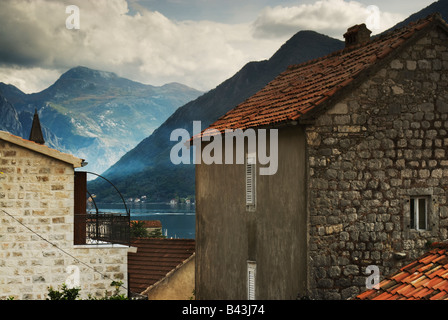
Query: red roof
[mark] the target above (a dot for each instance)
(154, 259)
(303, 87)
(423, 279)
(150, 223)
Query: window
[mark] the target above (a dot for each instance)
(250, 179)
(419, 213)
(251, 276)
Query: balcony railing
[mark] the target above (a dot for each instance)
(92, 226)
(108, 228)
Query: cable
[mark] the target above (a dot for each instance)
(60, 249)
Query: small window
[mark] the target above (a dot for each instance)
(419, 213)
(251, 276)
(250, 179)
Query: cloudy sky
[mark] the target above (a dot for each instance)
(199, 43)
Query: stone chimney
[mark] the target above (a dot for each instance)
(358, 34)
(36, 130)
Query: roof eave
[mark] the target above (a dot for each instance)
(42, 149)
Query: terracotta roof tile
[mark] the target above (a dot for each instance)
(149, 223)
(307, 86)
(425, 278)
(154, 259)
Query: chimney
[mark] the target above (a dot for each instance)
(36, 130)
(358, 34)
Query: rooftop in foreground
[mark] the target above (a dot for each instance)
(423, 279)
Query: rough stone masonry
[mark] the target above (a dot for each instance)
(383, 143)
(36, 245)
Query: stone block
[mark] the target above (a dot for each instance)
(396, 64)
(339, 108)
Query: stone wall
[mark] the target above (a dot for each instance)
(378, 146)
(36, 232)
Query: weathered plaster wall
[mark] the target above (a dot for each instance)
(177, 285)
(273, 234)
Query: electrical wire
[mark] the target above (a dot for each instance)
(56, 246)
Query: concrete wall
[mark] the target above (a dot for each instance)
(367, 155)
(179, 284)
(37, 190)
(273, 234)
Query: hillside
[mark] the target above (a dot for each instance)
(97, 115)
(147, 169)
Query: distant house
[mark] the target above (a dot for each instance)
(361, 179)
(163, 269)
(44, 234)
(151, 225)
(425, 278)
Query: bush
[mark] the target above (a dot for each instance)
(64, 293)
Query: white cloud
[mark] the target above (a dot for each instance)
(36, 46)
(146, 47)
(330, 17)
(29, 80)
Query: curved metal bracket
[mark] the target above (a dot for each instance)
(128, 212)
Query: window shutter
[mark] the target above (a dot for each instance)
(419, 213)
(251, 273)
(80, 187)
(250, 180)
(422, 213)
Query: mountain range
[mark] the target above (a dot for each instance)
(92, 114)
(125, 127)
(147, 170)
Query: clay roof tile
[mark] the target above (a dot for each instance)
(424, 278)
(306, 87)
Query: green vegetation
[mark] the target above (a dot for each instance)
(64, 293)
(158, 184)
(138, 230)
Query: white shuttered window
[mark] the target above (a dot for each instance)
(251, 276)
(250, 179)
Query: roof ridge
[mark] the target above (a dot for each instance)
(436, 16)
(41, 148)
(305, 89)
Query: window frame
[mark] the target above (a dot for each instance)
(433, 219)
(415, 214)
(251, 280)
(250, 181)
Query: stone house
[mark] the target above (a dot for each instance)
(40, 246)
(361, 139)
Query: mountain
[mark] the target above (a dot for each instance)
(147, 169)
(9, 120)
(97, 115)
(440, 6)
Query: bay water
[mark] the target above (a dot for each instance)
(178, 220)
